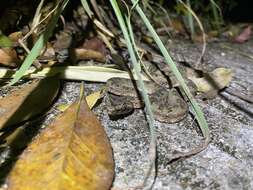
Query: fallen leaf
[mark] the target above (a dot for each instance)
(15, 37)
(8, 57)
(87, 54)
(212, 82)
(95, 44)
(222, 77)
(91, 101)
(244, 35)
(93, 48)
(72, 153)
(28, 101)
(5, 41)
(93, 98)
(63, 107)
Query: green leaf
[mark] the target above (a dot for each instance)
(5, 41)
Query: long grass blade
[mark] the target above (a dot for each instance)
(140, 85)
(148, 107)
(197, 110)
(40, 43)
(217, 14)
(87, 8)
(200, 26)
(190, 19)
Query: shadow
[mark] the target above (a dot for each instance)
(17, 146)
(31, 108)
(25, 134)
(6, 77)
(46, 88)
(238, 106)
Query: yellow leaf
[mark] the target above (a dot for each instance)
(213, 81)
(91, 101)
(63, 107)
(222, 77)
(73, 153)
(93, 98)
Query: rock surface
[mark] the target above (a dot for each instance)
(227, 163)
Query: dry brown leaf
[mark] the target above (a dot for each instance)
(93, 48)
(86, 54)
(73, 153)
(214, 81)
(28, 101)
(93, 98)
(95, 44)
(8, 57)
(15, 36)
(244, 35)
(178, 26)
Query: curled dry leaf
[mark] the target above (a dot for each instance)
(86, 54)
(244, 35)
(72, 153)
(91, 49)
(214, 81)
(8, 57)
(28, 101)
(15, 37)
(95, 44)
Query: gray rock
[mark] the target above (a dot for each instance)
(226, 164)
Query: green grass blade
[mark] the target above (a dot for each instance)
(140, 85)
(199, 114)
(87, 8)
(190, 19)
(40, 43)
(148, 108)
(217, 14)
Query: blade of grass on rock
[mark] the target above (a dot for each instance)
(141, 87)
(197, 110)
(71, 153)
(148, 107)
